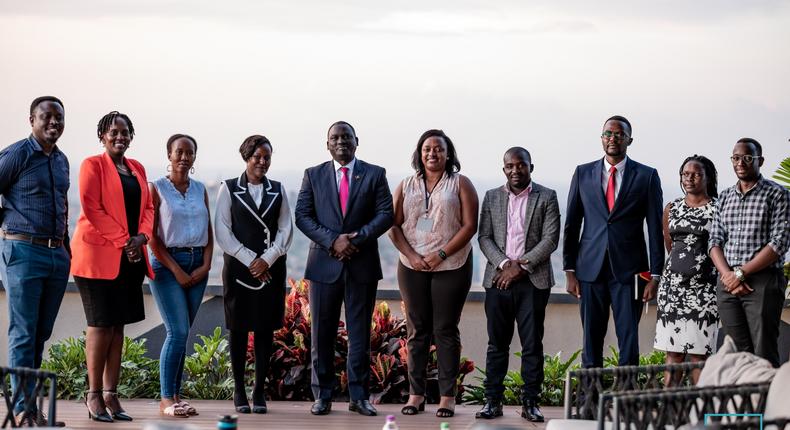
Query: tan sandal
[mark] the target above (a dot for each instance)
(189, 408)
(174, 411)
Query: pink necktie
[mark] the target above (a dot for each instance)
(610, 188)
(343, 189)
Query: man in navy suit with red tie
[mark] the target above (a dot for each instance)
(612, 198)
(344, 206)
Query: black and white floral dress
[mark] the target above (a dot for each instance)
(688, 316)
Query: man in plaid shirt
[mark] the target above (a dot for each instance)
(749, 238)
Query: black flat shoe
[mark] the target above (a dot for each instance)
(241, 404)
(413, 410)
(362, 407)
(321, 407)
(259, 407)
(531, 412)
(491, 410)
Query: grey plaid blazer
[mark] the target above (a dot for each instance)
(543, 233)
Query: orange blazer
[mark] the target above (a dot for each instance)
(102, 231)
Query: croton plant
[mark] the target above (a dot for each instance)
(290, 367)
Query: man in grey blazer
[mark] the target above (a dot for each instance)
(519, 229)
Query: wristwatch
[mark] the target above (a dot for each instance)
(739, 273)
(442, 254)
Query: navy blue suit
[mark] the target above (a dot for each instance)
(333, 282)
(611, 250)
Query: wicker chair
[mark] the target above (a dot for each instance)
(590, 393)
(675, 407)
(45, 387)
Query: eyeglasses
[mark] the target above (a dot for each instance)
(691, 175)
(747, 159)
(617, 136)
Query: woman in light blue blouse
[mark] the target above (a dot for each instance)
(182, 245)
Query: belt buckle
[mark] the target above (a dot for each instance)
(49, 244)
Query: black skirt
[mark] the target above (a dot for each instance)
(114, 302)
(252, 310)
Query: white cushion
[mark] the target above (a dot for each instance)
(777, 404)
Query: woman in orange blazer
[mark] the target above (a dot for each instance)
(109, 260)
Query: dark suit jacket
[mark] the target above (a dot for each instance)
(620, 232)
(542, 225)
(318, 216)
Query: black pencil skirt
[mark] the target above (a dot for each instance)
(114, 302)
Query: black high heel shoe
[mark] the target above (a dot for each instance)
(240, 403)
(118, 414)
(100, 414)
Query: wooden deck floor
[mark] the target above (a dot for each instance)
(296, 415)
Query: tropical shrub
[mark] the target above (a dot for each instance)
(554, 370)
(139, 374)
(290, 367)
(207, 371)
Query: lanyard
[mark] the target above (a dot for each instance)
(429, 194)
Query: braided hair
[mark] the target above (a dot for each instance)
(108, 120)
(711, 176)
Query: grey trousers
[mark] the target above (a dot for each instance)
(753, 320)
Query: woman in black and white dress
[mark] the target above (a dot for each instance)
(254, 229)
(688, 316)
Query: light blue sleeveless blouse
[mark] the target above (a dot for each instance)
(183, 218)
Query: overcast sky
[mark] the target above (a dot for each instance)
(692, 77)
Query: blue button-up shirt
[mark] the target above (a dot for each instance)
(33, 190)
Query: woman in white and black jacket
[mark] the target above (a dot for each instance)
(254, 229)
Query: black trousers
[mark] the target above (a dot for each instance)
(526, 305)
(325, 303)
(596, 299)
(753, 320)
(434, 301)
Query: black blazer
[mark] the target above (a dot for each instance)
(318, 216)
(621, 232)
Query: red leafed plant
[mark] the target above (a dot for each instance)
(290, 365)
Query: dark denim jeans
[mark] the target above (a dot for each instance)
(178, 307)
(35, 279)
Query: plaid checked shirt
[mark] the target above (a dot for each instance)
(747, 222)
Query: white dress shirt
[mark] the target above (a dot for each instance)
(618, 176)
(339, 174)
(233, 247)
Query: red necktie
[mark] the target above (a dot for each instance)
(610, 188)
(343, 189)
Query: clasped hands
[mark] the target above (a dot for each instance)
(733, 285)
(510, 272)
(425, 263)
(342, 248)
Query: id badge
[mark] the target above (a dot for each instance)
(425, 225)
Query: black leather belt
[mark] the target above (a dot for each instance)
(49, 243)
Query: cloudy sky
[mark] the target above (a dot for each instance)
(692, 77)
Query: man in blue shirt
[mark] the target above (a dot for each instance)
(34, 181)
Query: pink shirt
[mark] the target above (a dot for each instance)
(516, 230)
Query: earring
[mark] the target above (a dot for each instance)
(192, 170)
(168, 168)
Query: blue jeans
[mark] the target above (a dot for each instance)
(178, 307)
(35, 279)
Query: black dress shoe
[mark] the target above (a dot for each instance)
(531, 411)
(321, 407)
(362, 407)
(491, 410)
